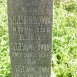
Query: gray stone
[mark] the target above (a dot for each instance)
(30, 31)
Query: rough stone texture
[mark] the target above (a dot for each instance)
(30, 31)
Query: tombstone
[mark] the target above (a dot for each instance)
(30, 32)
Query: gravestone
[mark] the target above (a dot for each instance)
(30, 31)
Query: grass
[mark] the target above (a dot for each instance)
(4, 48)
(64, 60)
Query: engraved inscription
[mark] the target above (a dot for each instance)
(40, 28)
(30, 37)
(17, 19)
(32, 69)
(23, 46)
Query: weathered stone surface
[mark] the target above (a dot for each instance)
(30, 30)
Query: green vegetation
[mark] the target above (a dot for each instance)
(64, 54)
(4, 51)
(64, 60)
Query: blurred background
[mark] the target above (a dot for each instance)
(64, 50)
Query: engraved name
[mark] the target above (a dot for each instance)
(23, 46)
(32, 69)
(39, 19)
